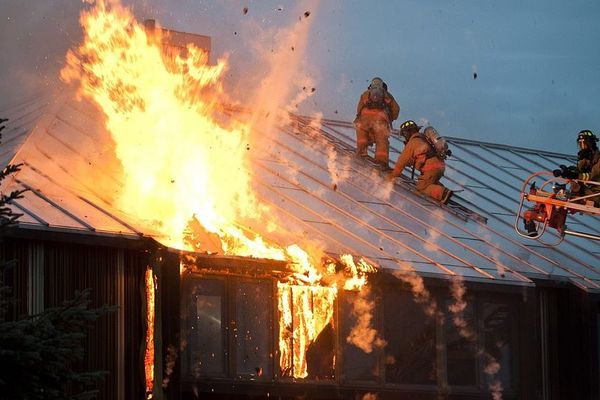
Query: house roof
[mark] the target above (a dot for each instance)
(318, 189)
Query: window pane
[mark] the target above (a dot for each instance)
(497, 325)
(410, 353)
(253, 329)
(461, 349)
(357, 365)
(207, 344)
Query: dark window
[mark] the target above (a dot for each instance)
(357, 364)
(253, 332)
(461, 347)
(206, 325)
(410, 354)
(497, 328)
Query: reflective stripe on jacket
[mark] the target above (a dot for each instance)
(590, 168)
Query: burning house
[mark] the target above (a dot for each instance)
(264, 260)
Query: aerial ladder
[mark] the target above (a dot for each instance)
(549, 205)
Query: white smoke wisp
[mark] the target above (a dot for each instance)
(338, 173)
(306, 88)
(285, 69)
(494, 252)
(496, 390)
(382, 186)
(316, 121)
(457, 308)
(362, 334)
(420, 294)
(431, 240)
(170, 361)
(492, 367)
(370, 396)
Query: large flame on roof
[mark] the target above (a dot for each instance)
(179, 162)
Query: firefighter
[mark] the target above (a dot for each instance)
(375, 112)
(420, 154)
(587, 168)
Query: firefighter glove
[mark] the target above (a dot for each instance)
(566, 172)
(585, 154)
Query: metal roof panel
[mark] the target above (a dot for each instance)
(319, 191)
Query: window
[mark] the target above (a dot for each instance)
(497, 331)
(410, 355)
(229, 327)
(461, 348)
(473, 350)
(206, 323)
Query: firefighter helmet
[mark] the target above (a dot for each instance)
(377, 81)
(586, 136)
(409, 126)
(408, 129)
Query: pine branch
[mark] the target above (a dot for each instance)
(10, 169)
(7, 215)
(38, 353)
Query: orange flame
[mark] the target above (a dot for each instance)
(179, 163)
(149, 354)
(304, 312)
(174, 155)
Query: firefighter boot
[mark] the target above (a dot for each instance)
(446, 196)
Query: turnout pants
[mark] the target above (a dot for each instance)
(429, 183)
(373, 129)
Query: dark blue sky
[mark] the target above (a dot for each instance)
(536, 60)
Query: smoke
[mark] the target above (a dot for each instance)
(337, 174)
(496, 390)
(494, 252)
(382, 187)
(284, 82)
(457, 308)
(370, 396)
(363, 335)
(421, 295)
(431, 241)
(457, 291)
(169, 365)
(34, 37)
(491, 369)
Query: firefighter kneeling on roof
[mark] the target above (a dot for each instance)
(375, 112)
(419, 153)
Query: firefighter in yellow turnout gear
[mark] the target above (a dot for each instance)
(375, 112)
(420, 154)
